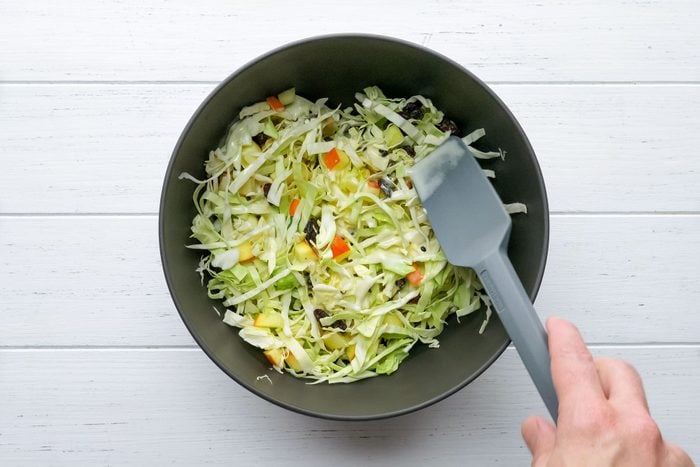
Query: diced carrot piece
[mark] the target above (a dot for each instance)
(416, 276)
(373, 184)
(331, 159)
(275, 103)
(340, 248)
(293, 207)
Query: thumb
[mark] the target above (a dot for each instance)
(539, 435)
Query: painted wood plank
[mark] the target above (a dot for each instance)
(499, 40)
(96, 280)
(104, 148)
(161, 407)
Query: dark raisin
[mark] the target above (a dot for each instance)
(412, 110)
(448, 125)
(423, 249)
(266, 188)
(385, 186)
(260, 139)
(400, 283)
(319, 313)
(414, 300)
(383, 153)
(340, 324)
(311, 230)
(409, 150)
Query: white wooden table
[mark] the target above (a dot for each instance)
(96, 367)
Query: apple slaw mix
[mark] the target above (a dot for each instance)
(316, 241)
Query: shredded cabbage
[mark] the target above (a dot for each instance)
(315, 239)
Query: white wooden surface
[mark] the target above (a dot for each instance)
(97, 369)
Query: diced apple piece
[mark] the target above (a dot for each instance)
(274, 356)
(350, 351)
(293, 363)
(304, 252)
(245, 252)
(328, 127)
(268, 319)
(335, 341)
(393, 136)
(287, 97)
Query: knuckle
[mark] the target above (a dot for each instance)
(644, 430)
(619, 365)
(629, 369)
(677, 456)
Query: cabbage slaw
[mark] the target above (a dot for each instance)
(316, 241)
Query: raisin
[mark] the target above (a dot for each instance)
(448, 125)
(385, 186)
(266, 188)
(340, 324)
(423, 249)
(400, 283)
(319, 313)
(260, 139)
(412, 110)
(311, 230)
(409, 150)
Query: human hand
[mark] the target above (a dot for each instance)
(603, 419)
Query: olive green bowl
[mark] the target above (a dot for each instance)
(336, 67)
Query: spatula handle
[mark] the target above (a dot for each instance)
(520, 320)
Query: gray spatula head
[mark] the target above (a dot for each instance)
(466, 213)
(473, 229)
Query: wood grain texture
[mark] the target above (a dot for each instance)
(162, 407)
(97, 280)
(598, 151)
(499, 40)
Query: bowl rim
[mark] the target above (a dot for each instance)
(168, 174)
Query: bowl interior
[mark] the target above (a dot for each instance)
(337, 67)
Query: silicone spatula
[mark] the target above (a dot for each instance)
(473, 229)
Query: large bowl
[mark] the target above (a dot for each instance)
(337, 67)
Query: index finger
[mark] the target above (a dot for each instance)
(574, 373)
